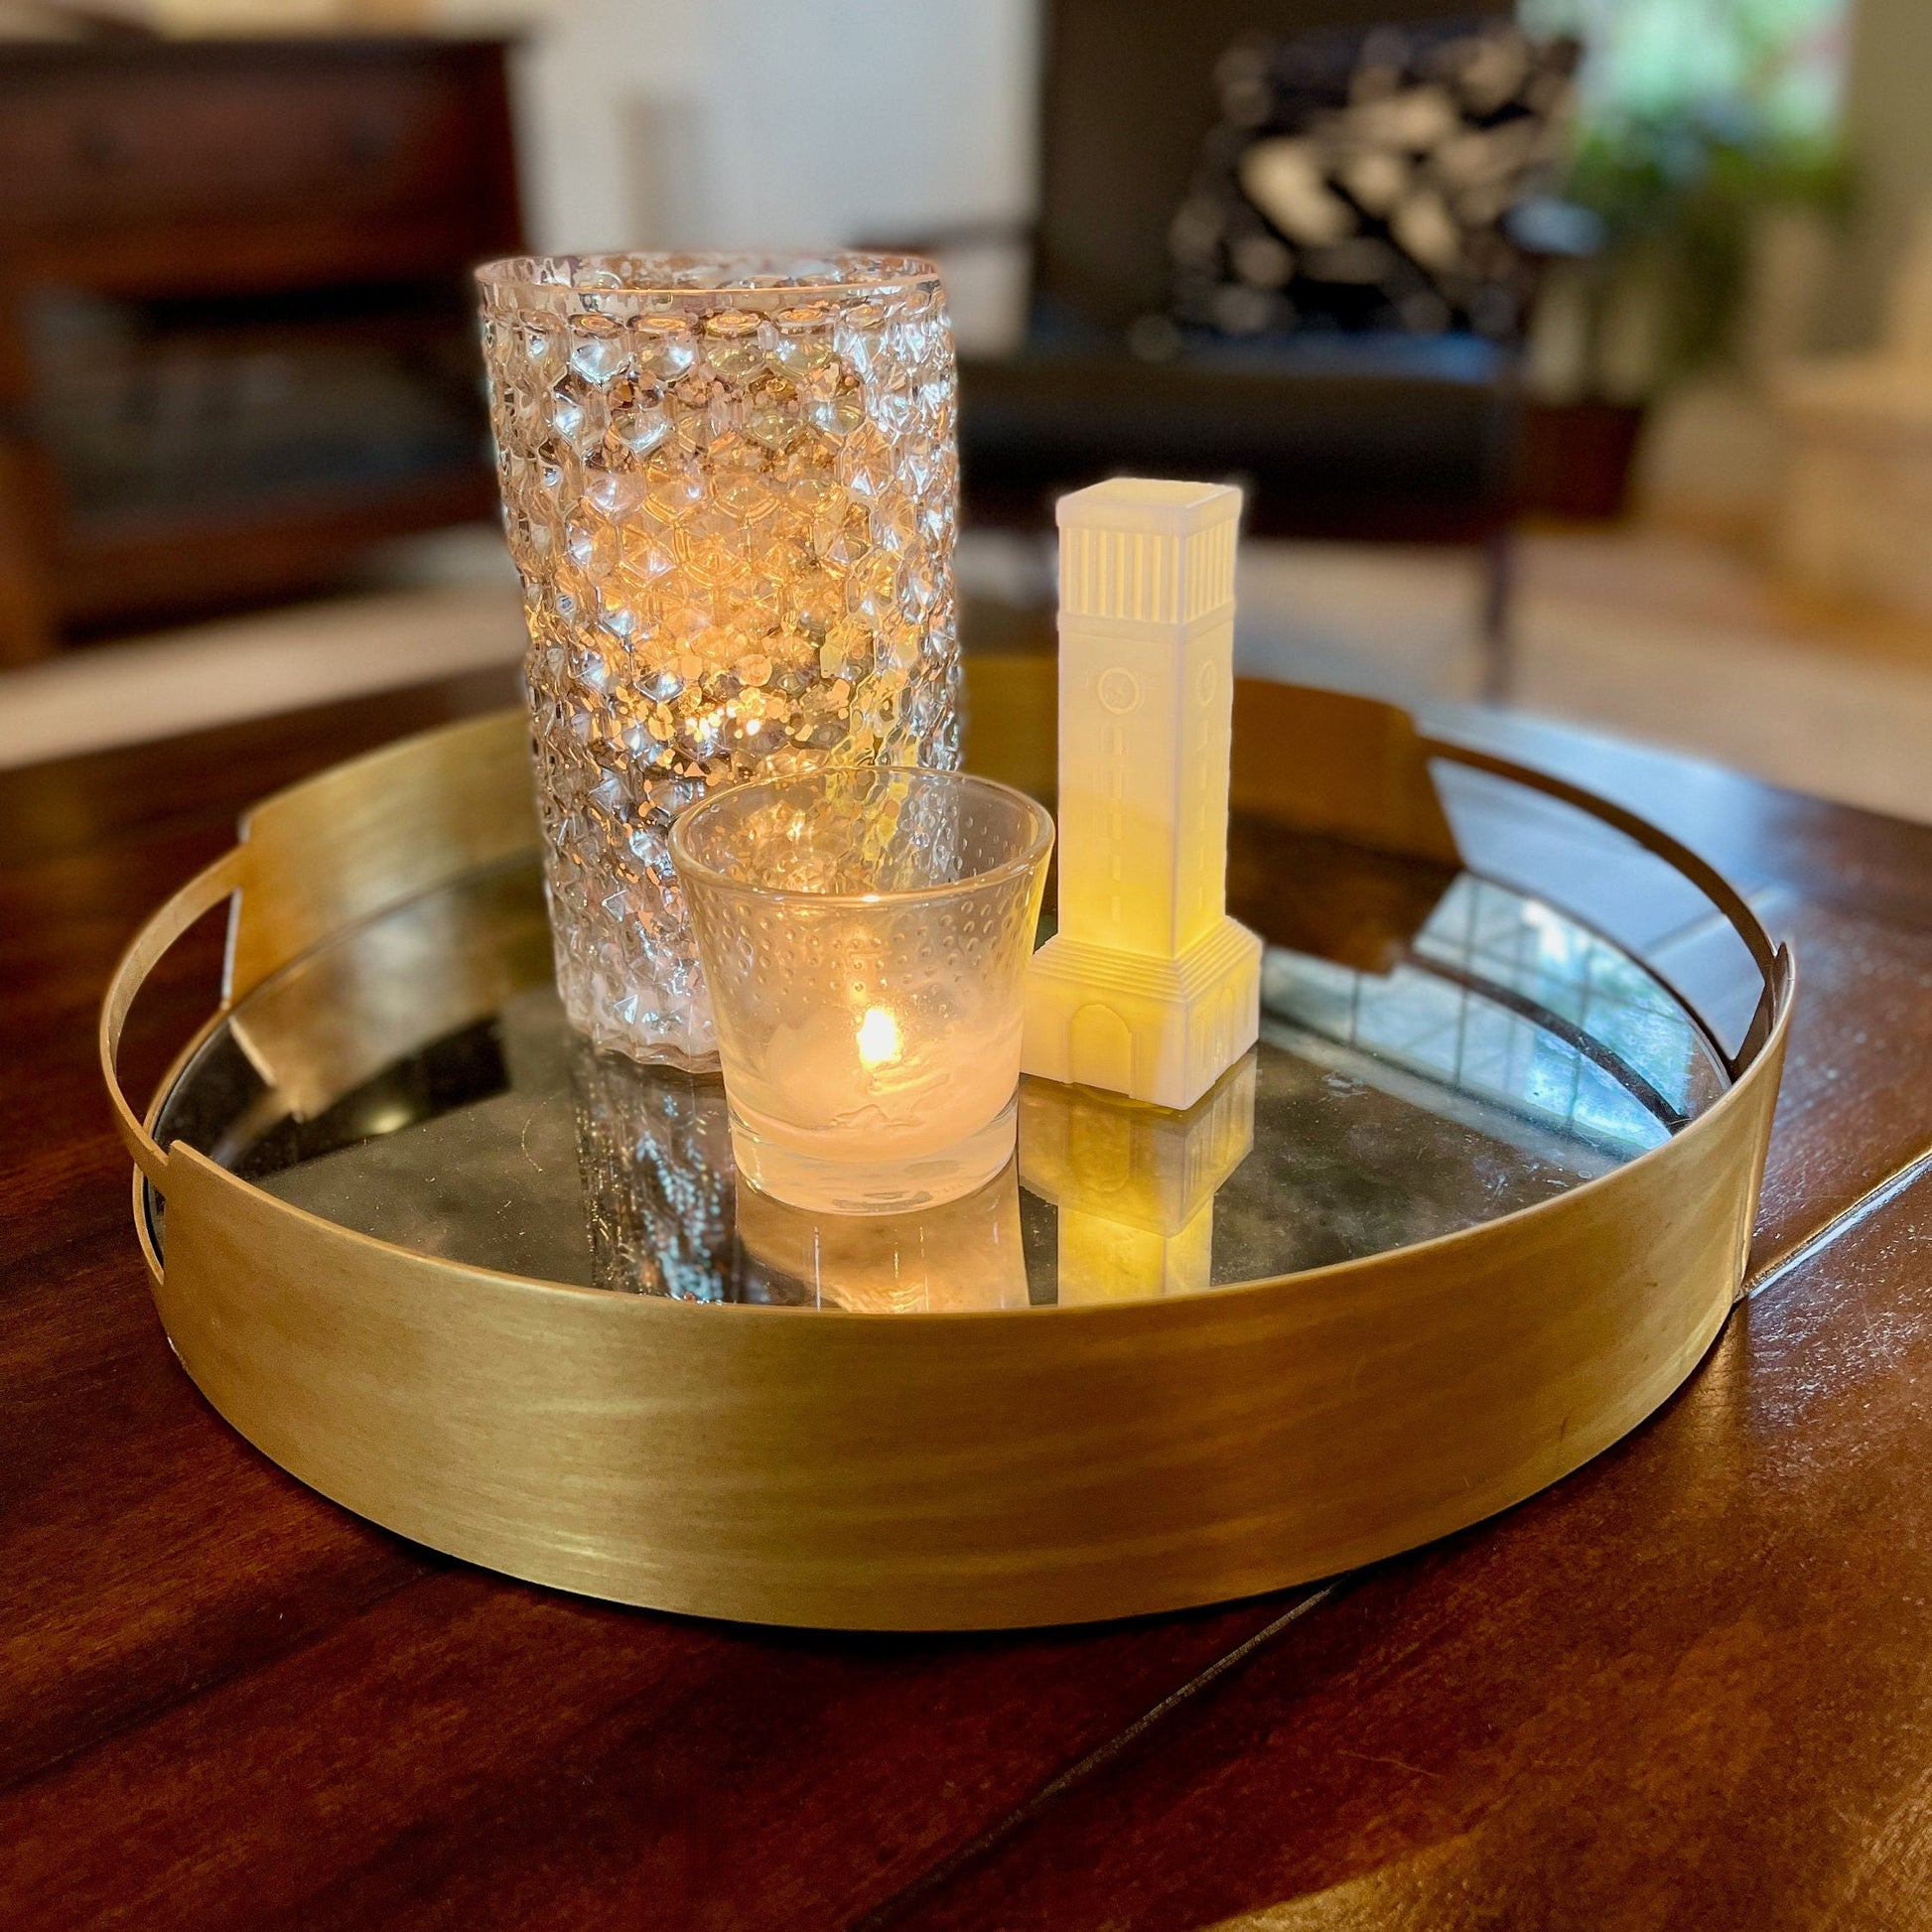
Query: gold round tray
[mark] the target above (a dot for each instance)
(1161, 1434)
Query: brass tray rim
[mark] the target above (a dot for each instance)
(1780, 988)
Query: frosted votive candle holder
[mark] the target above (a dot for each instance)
(865, 934)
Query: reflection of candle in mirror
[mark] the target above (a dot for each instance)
(961, 1255)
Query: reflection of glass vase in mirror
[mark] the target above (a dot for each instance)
(654, 1146)
(961, 1255)
(1134, 1185)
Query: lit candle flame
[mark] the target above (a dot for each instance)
(878, 1038)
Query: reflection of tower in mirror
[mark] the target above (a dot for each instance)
(654, 1145)
(1134, 1185)
(960, 1255)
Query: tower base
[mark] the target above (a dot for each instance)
(1162, 1030)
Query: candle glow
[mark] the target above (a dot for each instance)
(879, 1041)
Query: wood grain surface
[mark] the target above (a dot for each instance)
(1691, 1686)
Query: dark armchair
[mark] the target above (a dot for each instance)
(1378, 436)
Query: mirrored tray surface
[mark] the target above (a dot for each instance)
(413, 1078)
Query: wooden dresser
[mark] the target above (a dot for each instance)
(236, 329)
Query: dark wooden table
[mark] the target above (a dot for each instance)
(1690, 1686)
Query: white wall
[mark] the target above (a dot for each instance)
(1889, 132)
(771, 123)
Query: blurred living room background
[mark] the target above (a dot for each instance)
(1577, 354)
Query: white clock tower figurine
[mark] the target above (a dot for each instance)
(1148, 989)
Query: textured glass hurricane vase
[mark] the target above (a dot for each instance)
(731, 490)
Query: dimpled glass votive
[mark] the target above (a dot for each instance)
(866, 936)
(729, 487)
